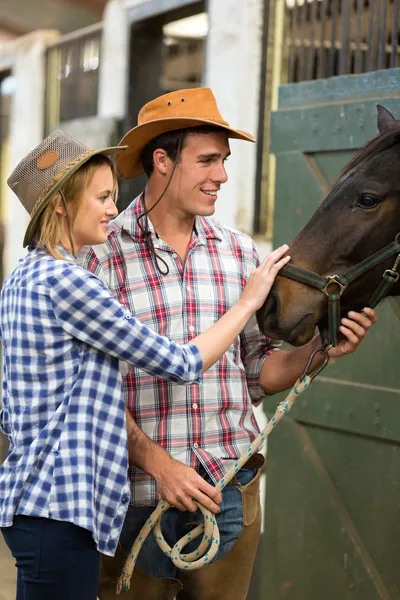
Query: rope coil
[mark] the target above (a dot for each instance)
(209, 544)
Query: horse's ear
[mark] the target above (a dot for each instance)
(385, 119)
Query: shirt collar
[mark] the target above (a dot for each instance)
(127, 220)
(41, 250)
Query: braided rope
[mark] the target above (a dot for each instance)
(57, 177)
(208, 547)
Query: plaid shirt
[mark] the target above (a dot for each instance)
(212, 423)
(63, 409)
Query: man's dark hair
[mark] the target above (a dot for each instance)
(170, 143)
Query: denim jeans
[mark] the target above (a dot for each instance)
(56, 560)
(175, 524)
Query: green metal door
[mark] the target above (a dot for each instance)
(332, 528)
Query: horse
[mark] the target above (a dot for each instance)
(347, 250)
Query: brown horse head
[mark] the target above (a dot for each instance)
(359, 217)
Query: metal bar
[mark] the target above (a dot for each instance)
(395, 21)
(79, 76)
(383, 35)
(358, 58)
(332, 47)
(368, 38)
(79, 33)
(345, 37)
(372, 35)
(293, 48)
(302, 47)
(310, 68)
(321, 73)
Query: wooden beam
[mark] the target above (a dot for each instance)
(92, 6)
(12, 29)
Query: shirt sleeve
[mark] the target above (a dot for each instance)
(255, 348)
(88, 311)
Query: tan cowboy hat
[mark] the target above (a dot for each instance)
(45, 169)
(176, 110)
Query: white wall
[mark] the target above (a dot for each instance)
(232, 71)
(25, 58)
(114, 65)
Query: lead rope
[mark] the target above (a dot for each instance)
(209, 545)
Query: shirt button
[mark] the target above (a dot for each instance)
(174, 255)
(189, 289)
(195, 406)
(195, 445)
(125, 499)
(191, 327)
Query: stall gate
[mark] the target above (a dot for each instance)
(332, 529)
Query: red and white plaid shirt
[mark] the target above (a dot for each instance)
(207, 424)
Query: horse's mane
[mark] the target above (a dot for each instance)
(381, 142)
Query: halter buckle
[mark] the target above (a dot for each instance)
(333, 280)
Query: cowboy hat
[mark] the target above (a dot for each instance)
(176, 110)
(44, 171)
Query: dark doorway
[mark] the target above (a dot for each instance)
(166, 53)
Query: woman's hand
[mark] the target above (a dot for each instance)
(261, 280)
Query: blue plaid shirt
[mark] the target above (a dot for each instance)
(63, 334)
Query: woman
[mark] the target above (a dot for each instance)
(63, 487)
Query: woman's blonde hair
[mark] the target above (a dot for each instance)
(49, 232)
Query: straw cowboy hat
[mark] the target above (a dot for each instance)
(44, 171)
(177, 110)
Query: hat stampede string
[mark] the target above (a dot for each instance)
(145, 229)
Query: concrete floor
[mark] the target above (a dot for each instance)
(7, 573)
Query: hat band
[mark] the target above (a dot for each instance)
(214, 119)
(60, 175)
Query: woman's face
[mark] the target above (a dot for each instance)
(96, 209)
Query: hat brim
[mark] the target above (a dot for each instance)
(129, 164)
(44, 201)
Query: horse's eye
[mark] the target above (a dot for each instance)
(367, 201)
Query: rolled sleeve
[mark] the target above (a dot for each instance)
(3, 414)
(255, 349)
(88, 311)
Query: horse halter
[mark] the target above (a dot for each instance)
(333, 286)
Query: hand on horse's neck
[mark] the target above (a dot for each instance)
(172, 226)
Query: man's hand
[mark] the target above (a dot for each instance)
(176, 482)
(282, 369)
(180, 485)
(354, 329)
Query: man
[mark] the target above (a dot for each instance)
(179, 271)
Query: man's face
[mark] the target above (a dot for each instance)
(199, 174)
